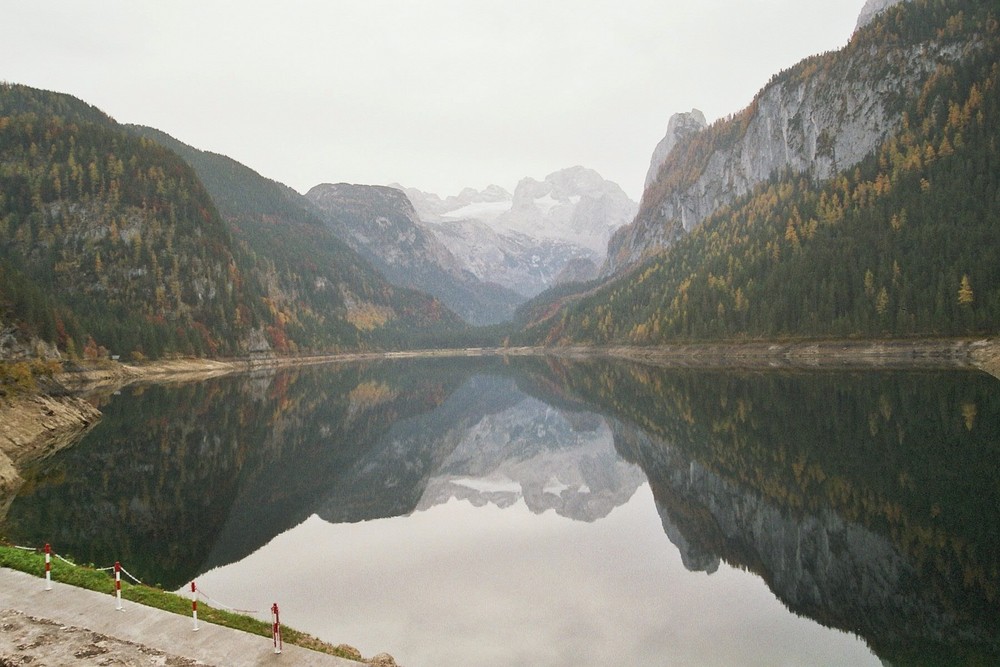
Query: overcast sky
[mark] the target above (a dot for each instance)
(433, 94)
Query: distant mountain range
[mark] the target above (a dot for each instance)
(381, 225)
(525, 241)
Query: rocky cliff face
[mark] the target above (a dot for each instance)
(524, 240)
(822, 116)
(871, 9)
(381, 224)
(680, 127)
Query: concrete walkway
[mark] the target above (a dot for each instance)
(155, 628)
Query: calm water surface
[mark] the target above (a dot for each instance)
(551, 513)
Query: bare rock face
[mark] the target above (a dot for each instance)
(37, 427)
(680, 126)
(871, 9)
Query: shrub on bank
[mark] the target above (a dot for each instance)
(22, 377)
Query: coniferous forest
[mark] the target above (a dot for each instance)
(110, 240)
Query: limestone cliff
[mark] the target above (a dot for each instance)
(680, 126)
(871, 9)
(818, 118)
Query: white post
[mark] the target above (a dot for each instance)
(118, 586)
(194, 605)
(276, 628)
(48, 567)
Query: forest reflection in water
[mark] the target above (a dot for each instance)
(866, 501)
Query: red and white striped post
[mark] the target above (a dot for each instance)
(276, 628)
(118, 586)
(194, 605)
(48, 567)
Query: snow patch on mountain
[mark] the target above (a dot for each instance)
(523, 241)
(485, 211)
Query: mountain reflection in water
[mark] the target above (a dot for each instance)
(867, 501)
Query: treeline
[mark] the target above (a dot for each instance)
(907, 243)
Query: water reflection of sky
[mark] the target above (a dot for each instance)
(463, 585)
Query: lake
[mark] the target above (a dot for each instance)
(541, 511)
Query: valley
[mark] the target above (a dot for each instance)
(543, 422)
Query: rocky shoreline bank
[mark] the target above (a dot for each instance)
(35, 427)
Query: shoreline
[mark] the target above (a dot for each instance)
(36, 426)
(982, 354)
(979, 354)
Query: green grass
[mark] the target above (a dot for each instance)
(33, 562)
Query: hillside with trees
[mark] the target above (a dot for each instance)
(111, 244)
(327, 296)
(907, 243)
(110, 241)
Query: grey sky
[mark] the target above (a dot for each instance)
(438, 94)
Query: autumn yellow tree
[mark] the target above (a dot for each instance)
(965, 295)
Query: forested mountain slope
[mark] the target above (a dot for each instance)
(381, 225)
(110, 243)
(818, 118)
(109, 240)
(327, 295)
(906, 242)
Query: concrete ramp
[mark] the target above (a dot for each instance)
(170, 633)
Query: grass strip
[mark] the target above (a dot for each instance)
(33, 562)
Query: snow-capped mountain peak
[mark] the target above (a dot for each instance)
(524, 240)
